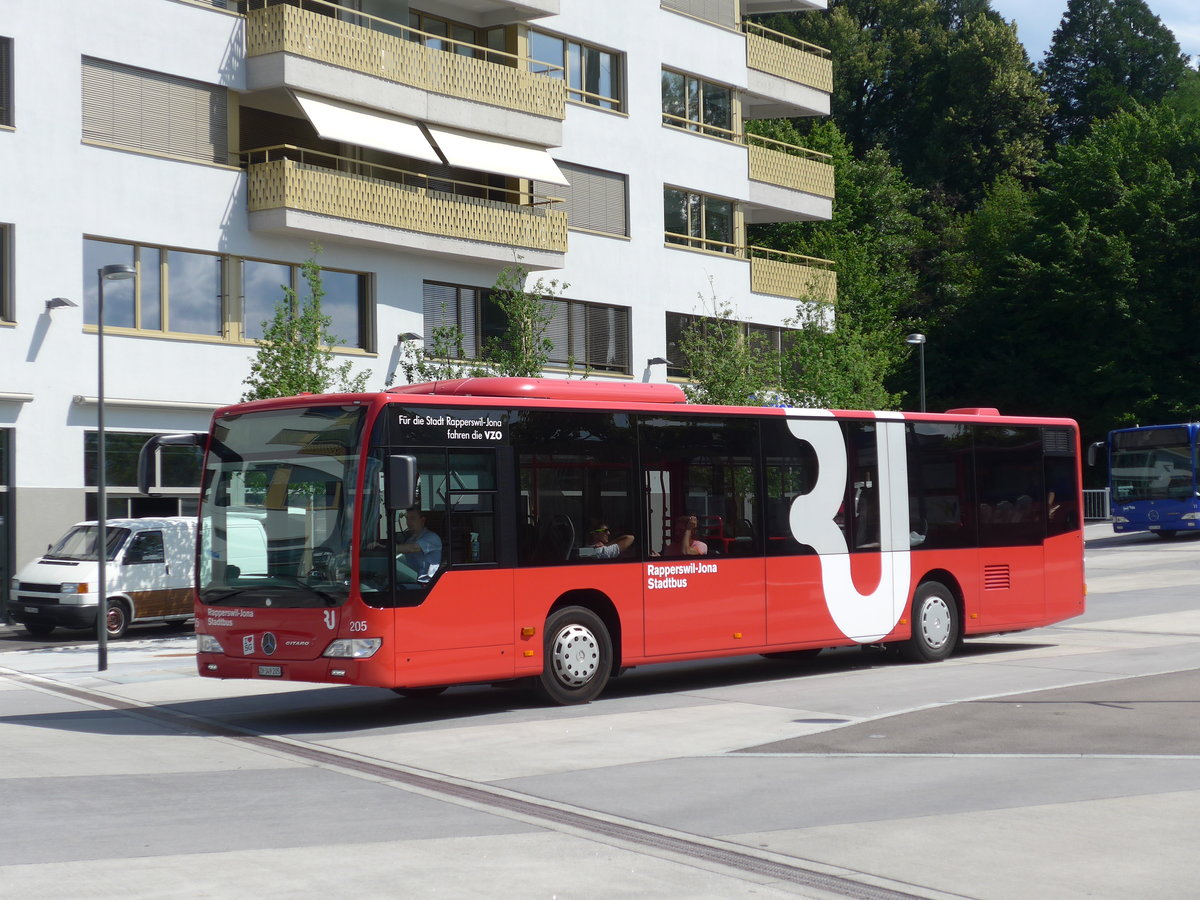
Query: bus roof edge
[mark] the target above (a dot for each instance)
(550, 389)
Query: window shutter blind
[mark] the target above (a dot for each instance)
(6, 81)
(595, 199)
(150, 111)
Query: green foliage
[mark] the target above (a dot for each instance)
(1108, 55)
(726, 366)
(294, 354)
(522, 351)
(943, 85)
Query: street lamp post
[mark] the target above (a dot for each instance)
(116, 272)
(919, 340)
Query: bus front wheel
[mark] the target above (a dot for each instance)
(577, 656)
(934, 624)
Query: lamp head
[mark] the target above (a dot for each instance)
(407, 336)
(658, 361)
(915, 339)
(117, 272)
(59, 303)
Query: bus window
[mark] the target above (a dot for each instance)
(791, 471)
(941, 482)
(701, 469)
(1011, 486)
(575, 473)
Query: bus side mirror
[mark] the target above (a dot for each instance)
(148, 456)
(1093, 451)
(400, 482)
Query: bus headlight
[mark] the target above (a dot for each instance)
(354, 648)
(1190, 517)
(208, 643)
(1121, 519)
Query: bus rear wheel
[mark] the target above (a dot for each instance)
(577, 655)
(935, 626)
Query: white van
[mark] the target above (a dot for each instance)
(149, 575)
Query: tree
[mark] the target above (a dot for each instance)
(1105, 56)
(943, 85)
(522, 350)
(726, 365)
(294, 354)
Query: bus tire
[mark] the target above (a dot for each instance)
(1165, 535)
(935, 626)
(416, 693)
(117, 620)
(577, 653)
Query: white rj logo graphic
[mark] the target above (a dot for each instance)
(330, 619)
(862, 617)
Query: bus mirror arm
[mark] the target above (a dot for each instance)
(1094, 451)
(148, 455)
(400, 486)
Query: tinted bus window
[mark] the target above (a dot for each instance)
(941, 481)
(1011, 485)
(575, 474)
(700, 480)
(790, 470)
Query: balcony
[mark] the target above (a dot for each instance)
(787, 183)
(318, 47)
(786, 177)
(785, 74)
(300, 191)
(774, 272)
(792, 275)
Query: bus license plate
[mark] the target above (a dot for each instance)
(270, 671)
(32, 609)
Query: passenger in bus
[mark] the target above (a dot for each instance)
(604, 546)
(418, 550)
(683, 538)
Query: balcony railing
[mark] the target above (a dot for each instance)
(327, 33)
(774, 272)
(787, 57)
(287, 177)
(771, 161)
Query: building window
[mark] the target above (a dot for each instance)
(6, 82)
(155, 113)
(697, 105)
(768, 338)
(698, 220)
(595, 200)
(438, 33)
(6, 567)
(592, 335)
(593, 75)
(178, 473)
(6, 311)
(188, 292)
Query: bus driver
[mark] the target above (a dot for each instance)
(418, 550)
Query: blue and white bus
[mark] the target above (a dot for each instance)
(1152, 473)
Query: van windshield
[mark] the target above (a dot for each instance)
(81, 541)
(278, 507)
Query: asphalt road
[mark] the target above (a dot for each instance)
(1063, 762)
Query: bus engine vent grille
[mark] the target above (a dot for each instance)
(997, 578)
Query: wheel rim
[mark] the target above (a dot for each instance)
(935, 622)
(575, 655)
(115, 619)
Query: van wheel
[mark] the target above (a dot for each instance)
(117, 620)
(39, 629)
(577, 657)
(935, 628)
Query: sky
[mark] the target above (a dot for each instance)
(1037, 20)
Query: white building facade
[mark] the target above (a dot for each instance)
(210, 144)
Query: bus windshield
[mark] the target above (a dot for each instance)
(1152, 464)
(278, 507)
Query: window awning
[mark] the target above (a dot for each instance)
(336, 121)
(473, 151)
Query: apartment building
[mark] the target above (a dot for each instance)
(202, 147)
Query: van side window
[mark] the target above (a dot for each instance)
(146, 547)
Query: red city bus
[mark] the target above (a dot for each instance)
(489, 529)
